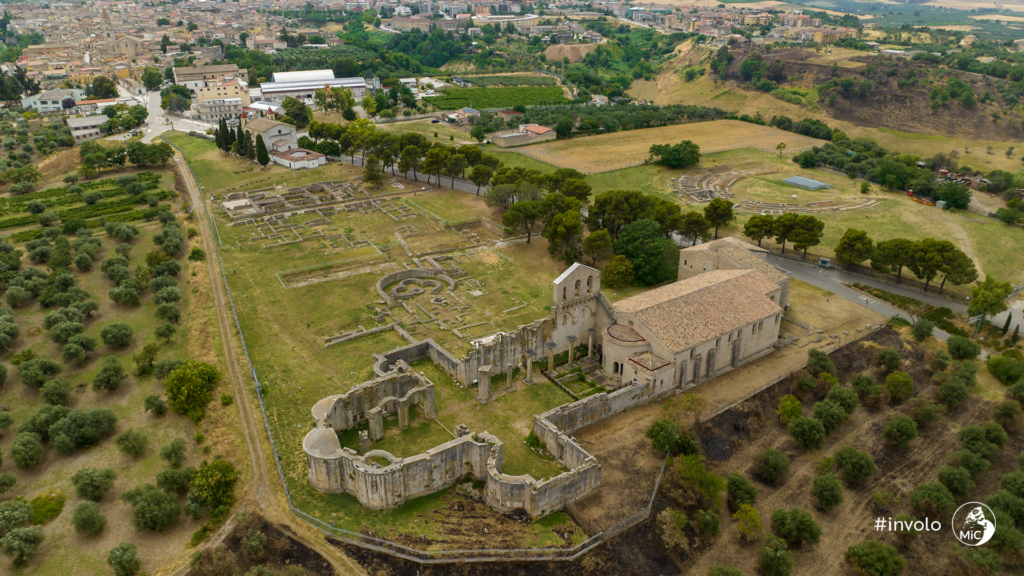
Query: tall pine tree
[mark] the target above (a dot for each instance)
(250, 148)
(261, 151)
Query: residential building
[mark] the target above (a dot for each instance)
(195, 77)
(86, 128)
(52, 100)
(212, 110)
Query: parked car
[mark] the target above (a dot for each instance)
(435, 121)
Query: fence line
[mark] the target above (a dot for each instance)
(385, 546)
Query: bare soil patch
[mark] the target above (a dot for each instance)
(574, 52)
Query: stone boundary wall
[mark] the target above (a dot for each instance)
(410, 273)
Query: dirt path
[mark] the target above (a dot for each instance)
(260, 493)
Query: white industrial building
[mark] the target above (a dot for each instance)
(302, 85)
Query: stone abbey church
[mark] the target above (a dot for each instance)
(724, 311)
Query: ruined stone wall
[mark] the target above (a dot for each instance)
(410, 273)
(413, 352)
(395, 390)
(479, 457)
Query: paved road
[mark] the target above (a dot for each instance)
(1016, 307)
(833, 281)
(157, 124)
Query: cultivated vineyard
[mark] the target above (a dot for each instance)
(511, 80)
(455, 98)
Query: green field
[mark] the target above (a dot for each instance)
(455, 98)
(217, 171)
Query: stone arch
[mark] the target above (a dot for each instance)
(565, 293)
(577, 287)
(590, 284)
(615, 368)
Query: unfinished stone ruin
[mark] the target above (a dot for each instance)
(644, 345)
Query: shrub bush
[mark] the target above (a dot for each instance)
(789, 408)
(56, 392)
(969, 461)
(155, 405)
(957, 480)
(87, 519)
(808, 432)
(110, 376)
(889, 359)
(748, 522)
(827, 489)
(844, 397)
(818, 362)
(773, 465)
(21, 543)
(92, 483)
(932, 500)
(117, 335)
(830, 414)
(124, 559)
(706, 523)
(174, 453)
(854, 465)
(941, 360)
(961, 348)
(151, 508)
(132, 443)
(900, 430)
(952, 392)
(900, 385)
(796, 527)
(875, 558)
(740, 490)
(27, 450)
(923, 329)
(775, 559)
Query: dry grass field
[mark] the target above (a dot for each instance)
(624, 149)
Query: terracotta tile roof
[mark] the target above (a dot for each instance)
(649, 362)
(291, 154)
(745, 259)
(263, 124)
(741, 255)
(537, 129)
(624, 333)
(688, 312)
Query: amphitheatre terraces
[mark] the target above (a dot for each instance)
(704, 187)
